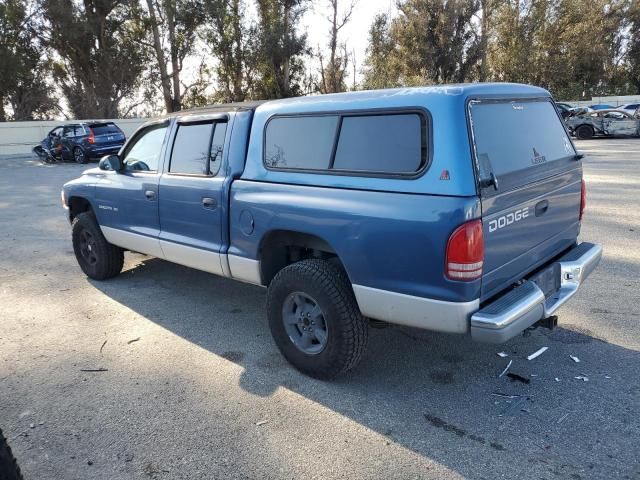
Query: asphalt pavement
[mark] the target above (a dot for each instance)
(191, 386)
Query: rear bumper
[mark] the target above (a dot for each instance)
(99, 151)
(525, 305)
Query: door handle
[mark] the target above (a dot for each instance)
(150, 194)
(542, 207)
(209, 203)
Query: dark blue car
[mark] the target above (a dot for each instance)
(81, 142)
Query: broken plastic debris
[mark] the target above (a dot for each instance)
(516, 377)
(507, 368)
(502, 354)
(557, 379)
(537, 353)
(581, 377)
(607, 376)
(261, 422)
(562, 417)
(575, 359)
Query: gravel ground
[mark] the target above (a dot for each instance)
(195, 388)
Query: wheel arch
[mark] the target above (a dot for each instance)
(78, 204)
(281, 247)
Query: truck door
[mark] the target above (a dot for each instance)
(191, 194)
(127, 201)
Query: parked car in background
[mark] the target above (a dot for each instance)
(81, 142)
(565, 109)
(601, 106)
(612, 122)
(629, 107)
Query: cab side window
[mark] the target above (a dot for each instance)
(143, 153)
(197, 149)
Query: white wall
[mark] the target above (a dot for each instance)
(615, 101)
(21, 137)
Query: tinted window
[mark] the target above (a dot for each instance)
(380, 143)
(300, 142)
(104, 129)
(217, 144)
(143, 154)
(513, 136)
(191, 149)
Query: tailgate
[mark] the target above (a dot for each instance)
(530, 187)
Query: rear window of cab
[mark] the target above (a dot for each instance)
(380, 143)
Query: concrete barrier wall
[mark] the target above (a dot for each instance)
(614, 101)
(21, 137)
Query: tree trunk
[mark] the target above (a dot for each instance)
(333, 45)
(484, 40)
(162, 64)
(286, 64)
(175, 65)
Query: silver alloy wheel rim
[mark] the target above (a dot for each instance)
(304, 322)
(79, 155)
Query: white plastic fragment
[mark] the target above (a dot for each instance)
(502, 354)
(506, 369)
(537, 353)
(575, 359)
(607, 376)
(533, 375)
(583, 378)
(261, 422)
(557, 379)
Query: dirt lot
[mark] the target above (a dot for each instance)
(195, 387)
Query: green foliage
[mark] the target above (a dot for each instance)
(574, 48)
(23, 73)
(100, 59)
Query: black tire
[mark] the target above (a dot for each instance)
(346, 328)
(97, 258)
(79, 156)
(584, 132)
(9, 469)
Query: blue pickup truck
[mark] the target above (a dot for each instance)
(453, 208)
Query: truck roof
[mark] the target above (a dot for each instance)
(340, 101)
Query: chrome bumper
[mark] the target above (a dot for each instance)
(525, 305)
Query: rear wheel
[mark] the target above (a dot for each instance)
(584, 132)
(97, 258)
(315, 320)
(79, 156)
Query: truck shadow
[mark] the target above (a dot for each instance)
(437, 395)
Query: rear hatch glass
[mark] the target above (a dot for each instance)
(531, 211)
(107, 133)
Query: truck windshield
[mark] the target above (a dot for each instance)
(517, 140)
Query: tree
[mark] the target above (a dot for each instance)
(380, 70)
(435, 40)
(101, 61)
(174, 26)
(279, 65)
(23, 74)
(633, 49)
(233, 46)
(333, 74)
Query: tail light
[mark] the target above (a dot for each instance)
(465, 252)
(92, 137)
(583, 198)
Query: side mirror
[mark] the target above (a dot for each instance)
(110, 163)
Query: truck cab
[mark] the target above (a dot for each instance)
(453, 208)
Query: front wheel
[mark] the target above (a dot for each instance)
(315, 320)
(97, 258)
